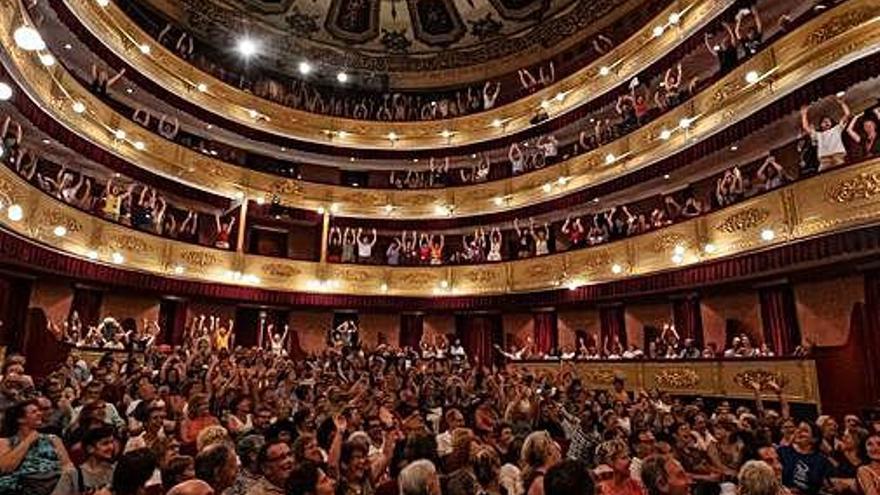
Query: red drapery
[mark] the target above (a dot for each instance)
(779, 317)
(172, 320)
(412, 326)
(42, 348)
(478, 333)
(872, 332)
(87, 304)
(546, 331)
(612, 323)
(688, 318)
(15, 293)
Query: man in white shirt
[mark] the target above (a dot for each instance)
(828, 137)
(454, 419)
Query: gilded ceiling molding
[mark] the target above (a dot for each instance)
(124, 37)
(670, 248)
(847, 33)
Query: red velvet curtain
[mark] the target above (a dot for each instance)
(42, 348)
(546, 331)
(779, 316)
(688, 318)
(412, 327)
(87, 303)
(612, 324)
(172, 321)
(478, 333)
(872, 332)
(15, 294)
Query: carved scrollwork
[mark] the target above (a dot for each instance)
(419, 279)
(199, 258)
(860, 187)
(841, 24)
(677, 378)
(743, 220)
(286, 187)
(280, 270)
(748, 379)
(52, 218)
(667, 241)
(129, 243)
(353, 275)
(599, 376)
(481, 278)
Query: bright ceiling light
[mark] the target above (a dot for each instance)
(60, 231)
(5, 91)
(604, 70)
(679, 250)
(684, 123)
(383, 287)
(446, 133)
(321, 210)
(709, 248)
(117, 258)
(247, 47)
(547, 187)
(615, 268)
(610, 158)
(119, 134)
(342, 77)
(674, 18)
(144, 48)
(665, 134)
(560, 96)
(389, 208)
(334, 207)
(392, 136)
(28, 39)
(139, 145)
(78, 107)
(768, 234)
(304, 67)
(677, 259)
(93, 255)
(752, 76)
(545, 104)
(47, 59)
(202, 87)
(496, 123)
(103, 3)
(178, 269)
(658, 31)
(15, 212)
(498, 200)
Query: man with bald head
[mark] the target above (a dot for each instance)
(191, 487)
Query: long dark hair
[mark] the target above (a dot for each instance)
(9, 428)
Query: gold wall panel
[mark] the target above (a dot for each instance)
(728, 378)
(724, 103)
(124, 37)
(794, 212)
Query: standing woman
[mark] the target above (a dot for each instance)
(30, 462)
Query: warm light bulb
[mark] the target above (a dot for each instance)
(709, 248)
(658, 31)
(78, 107)
(304, 67)
(117, 258)
(202, 87)
(247, 47)
(139, 145)
(92, 255)
(119, 134)
(610, 158)
(752, 77)
(604, 70)
(5, 91)
(665, 134)
(60, 231)
(28, 39)
(616, 269)
(768, 234)
(342, 77)
(15, 212)
(144, 48)
(47, 59)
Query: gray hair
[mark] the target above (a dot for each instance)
(415, 479)
(758, 478)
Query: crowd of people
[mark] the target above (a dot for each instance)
(210, 417)
(113, 197)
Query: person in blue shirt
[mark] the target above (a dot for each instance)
(805, 470)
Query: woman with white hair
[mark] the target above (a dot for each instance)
(539, 453)
(758, 478)
(419, 478)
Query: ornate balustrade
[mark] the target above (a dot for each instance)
(838, 200)
(729, 378)
(124, 37)
(835, 39)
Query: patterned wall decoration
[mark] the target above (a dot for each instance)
(436, 22)
(353, 21)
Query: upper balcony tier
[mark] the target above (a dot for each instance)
(127, 41)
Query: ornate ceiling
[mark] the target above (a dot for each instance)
(398, 37)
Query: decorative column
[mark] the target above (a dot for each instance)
(779, 317)
(688, 318)
(545, 330)
(325, 235)
(242, 228)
